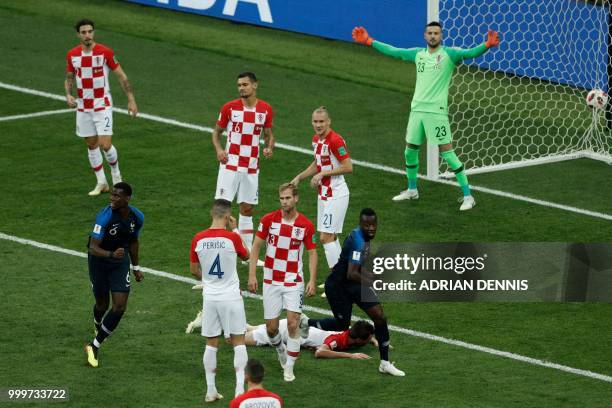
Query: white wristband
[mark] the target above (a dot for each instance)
(136, 268)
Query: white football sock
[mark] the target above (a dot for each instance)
(95, 160)
(210, 368)
(240, 360)
(337, 241)
(293, 350)
(245, 227)
(277, 342)
(112, 157)
(332, 254)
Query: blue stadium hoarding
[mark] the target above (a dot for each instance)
(399, 22)
(567, 45)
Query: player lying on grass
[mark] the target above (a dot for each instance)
(327, 344)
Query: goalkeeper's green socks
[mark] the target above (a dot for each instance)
(457, 167)
(412, 166)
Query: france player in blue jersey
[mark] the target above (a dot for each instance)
(350, 283)
(114, 233)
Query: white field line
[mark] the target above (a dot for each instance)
(35, 114)
(458, 343)
(375, 166)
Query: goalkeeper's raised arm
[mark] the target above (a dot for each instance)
(361, 36)
(460, 54)
(429, 108)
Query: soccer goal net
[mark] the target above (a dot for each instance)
(523, 103)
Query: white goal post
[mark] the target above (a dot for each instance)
(523, 103)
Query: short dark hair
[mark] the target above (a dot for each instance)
(367, 212)
(125, 187)
(249, 75)
(255, 371)
(361, 330)
(83, 22)
(221, 208)
(434, 24)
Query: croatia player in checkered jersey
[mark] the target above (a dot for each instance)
(244, 119)
(88, 63)
(213, 260)
(287, 233)
(332, 160)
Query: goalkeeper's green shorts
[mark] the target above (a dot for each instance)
(434, 127)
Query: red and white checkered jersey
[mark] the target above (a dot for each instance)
(216, 251)
(91, 74)
(244, 127)
(284, 252)
(329, 152)
(257, 398)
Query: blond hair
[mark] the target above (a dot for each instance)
(288, 186)
(321, 109)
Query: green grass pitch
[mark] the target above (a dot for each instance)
(183, 67)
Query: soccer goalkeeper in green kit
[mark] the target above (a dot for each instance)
(429, 109)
